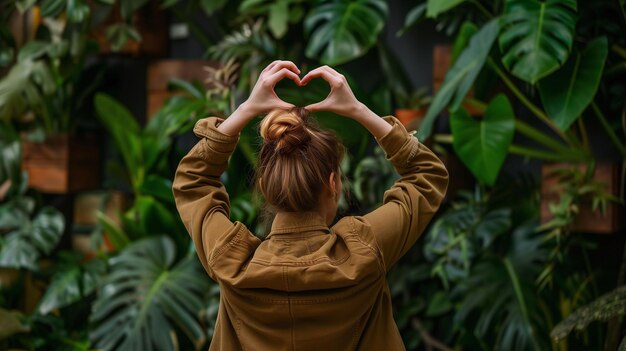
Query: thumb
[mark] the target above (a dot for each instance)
(285, 105)
(318, 106)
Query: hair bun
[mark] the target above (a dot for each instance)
(286, 130)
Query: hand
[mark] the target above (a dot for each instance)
(340, 100)
(263, 98)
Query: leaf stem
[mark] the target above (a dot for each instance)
(532, 107)
(619, 50)
(620, 147)
(540, 137)
(519, 294)
(539, 154)
(482, 9)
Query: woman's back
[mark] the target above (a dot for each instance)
(306, 286)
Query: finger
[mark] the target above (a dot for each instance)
(270, 65)
(283, 73)
(284, 64)
(325, 72)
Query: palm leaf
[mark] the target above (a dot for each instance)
(147, 296)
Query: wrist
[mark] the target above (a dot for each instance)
(245, 110)
(362, 113)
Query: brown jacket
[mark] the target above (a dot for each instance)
(306, 286)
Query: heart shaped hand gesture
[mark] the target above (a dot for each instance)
(340, 100)
(263, 98)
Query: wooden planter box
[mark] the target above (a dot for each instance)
(588, 221)
(62, 164)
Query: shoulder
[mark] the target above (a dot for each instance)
(357, 230)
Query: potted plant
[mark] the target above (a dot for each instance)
(45, 94)
(412, 107)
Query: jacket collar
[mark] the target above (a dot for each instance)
(298, 222)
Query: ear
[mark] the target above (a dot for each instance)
(333, 183)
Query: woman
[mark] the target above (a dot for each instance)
(307, 286)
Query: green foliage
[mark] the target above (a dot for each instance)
(247, 44)
(142, 150)
(500, 292)
(24, 245)
(435, 7)
(604, 308)
(458, 237)
(567, 92)
(461, 76)
(343, 30)
(25, 85)
(483, 144)
(537, 36)
(10, 324)
(279, 13)
(72, 284)
(373, 175)
(147, 296)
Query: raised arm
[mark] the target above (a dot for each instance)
(200, 196)
(412, 201)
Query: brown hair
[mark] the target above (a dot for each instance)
(296, 160)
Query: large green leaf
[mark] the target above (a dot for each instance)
(482, 144)
(461, 76)
(125, 132)
(435, 7)
(146, 295)
(342, 30)
(537, 36)
(24, 246)
(567, 92)
(71, 285)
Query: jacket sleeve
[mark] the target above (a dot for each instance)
(203, 203)
(412, 201)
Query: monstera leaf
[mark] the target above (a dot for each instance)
(537, 36)
(461, 76)
(25, 245)
(567, 92)
(71, 285)
(482, 144)
(342, 30)
(146, 296)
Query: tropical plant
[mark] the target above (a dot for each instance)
(604, 308)
(51, 80)
(343, 30)
(148, 296)
(29, 237)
